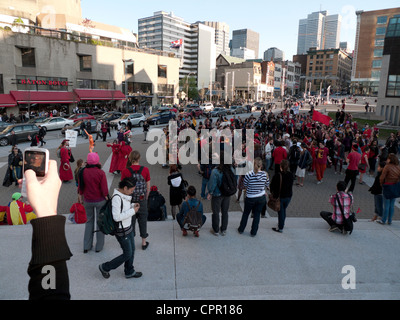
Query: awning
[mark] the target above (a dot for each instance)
(44, 97)
(99, 95)
(6, 100)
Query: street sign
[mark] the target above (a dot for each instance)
(72, 136)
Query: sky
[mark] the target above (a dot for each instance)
(277, 22)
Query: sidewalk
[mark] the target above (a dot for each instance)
(305, 262)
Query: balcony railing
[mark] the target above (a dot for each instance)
(79, 37)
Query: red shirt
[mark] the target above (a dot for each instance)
(354, 159)
(322, 155)
(145, 173)
(279, 154)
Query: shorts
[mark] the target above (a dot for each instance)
(301, 173)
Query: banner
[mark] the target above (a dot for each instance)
(177, 44)
(319, 117)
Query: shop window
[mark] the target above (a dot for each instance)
(162, 71)
(28, 57)
(85, 63)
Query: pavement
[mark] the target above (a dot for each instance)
(305, 262)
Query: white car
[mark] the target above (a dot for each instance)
(207, 107)
(136, 119)
(55, 123)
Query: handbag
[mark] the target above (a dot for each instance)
(362, 167)
(275, 203)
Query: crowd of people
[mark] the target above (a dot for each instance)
(287, 148)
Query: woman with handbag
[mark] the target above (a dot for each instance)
(282, 189)
(66, 174)
(389, 180)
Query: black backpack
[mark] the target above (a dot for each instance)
(105, 220)
(229, 183)
(141, 185)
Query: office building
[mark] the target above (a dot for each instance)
(221, 36)
(246, 38)
(368, 51)
(42, 68)
(388, 104)
(326, 68)
(274, 54)
(196, 51)
(243, 53)
(319, 30)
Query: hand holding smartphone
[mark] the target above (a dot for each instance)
(36, 159)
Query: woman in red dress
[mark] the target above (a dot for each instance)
(124, 152)
(66, 174)
(115, 146)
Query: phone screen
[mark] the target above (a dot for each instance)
(36, 161)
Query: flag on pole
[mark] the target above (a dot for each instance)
(177, 44)
(319, 117)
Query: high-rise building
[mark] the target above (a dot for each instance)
(194, 44)
(221, 36)
(319, 30)
(274, 54)
(246, 38)
(368, 50)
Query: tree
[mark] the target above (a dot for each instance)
(189, 86)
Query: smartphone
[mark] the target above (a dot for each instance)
(36, 159)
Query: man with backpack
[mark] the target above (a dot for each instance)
(156, 206)
(191, 215)
(221, 186)
(140, 194)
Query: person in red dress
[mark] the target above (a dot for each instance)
(123, 154)
(66, 174)
(115, 146)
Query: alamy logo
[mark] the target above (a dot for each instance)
(49, 280)
(349, 280)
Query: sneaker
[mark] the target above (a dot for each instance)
(223, 233)
(334, 228)
(277, 230)
(135, 274)
(104, 273)
(184, 232)
(196, 234)
(214, 233)
(319, 182)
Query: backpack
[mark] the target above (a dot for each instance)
(141, 186)
(193, 219)
(105, 220)
(229, 183)
(79, 213)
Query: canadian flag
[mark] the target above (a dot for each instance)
(177, 44)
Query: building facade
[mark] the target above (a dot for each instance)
(221, 36)
(328, 68)
(319, 30)
(274, 54)
(368, 52)
(197, 51)
(388, 104)
(246, 38)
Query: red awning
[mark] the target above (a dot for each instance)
(98, 95)
(6, 100)
(44, 97)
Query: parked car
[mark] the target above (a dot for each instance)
(22, 131)
(162, 109)
(192, 111)
(218, 112)
(111, 115)
(77, 126)
(55, 123)
(136, 119)
(3, 125)
(235, 110)
(206, 107)
(37, 120)
(80, 116)
(158, 118)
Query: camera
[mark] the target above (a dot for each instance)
(36, 159)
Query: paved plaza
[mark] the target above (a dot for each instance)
(305, 262)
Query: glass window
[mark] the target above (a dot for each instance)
(377, 64)
(378, 53)
(162, 71)
(379, 42)
(28, 57)
(382, 20)
(380, 31)
(85, 63)
(393, 87)
(375, 74)
(129, 67)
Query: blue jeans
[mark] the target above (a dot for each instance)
(282, 212)
(268, 164)
(254, 205)
(127, 244)
(378, 201)
(388, 209)
(204, 183)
